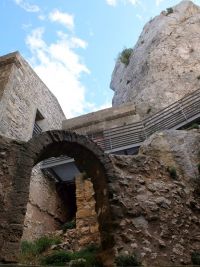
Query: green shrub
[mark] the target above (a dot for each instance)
(127, 260)
(28, 248)
(30, 251)
(125, 56)
(45, 242)
(83, 258)
(69, 225)
(172, 171)
(89, 254)
(170, 10)
(195, 258)
(194, 126)
(58, 258)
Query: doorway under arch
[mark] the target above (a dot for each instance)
(89, 158)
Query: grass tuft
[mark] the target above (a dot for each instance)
(69, 225)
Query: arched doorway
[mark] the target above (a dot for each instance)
(89, 158)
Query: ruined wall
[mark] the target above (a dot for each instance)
(86, 231)
(139, 203)
(86, 217)
(15, 173)
(46, 212)
(11, 211)
(158, 214)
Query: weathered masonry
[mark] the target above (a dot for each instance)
(26, 104)
(21, 158)
(140, 208)
(27, 107)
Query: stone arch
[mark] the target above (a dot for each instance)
(89, 158)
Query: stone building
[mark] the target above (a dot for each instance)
(55, 197)
(25, 100)
(27, 107)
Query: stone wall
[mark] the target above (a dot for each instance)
(15, 173)
(24, 93)
(86, 232)
(102, 120)
(141, 207)
(158, 213)
(4, 77)
(86, 217)
(46, 211)
(11, 211)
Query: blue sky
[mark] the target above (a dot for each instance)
(73, 44)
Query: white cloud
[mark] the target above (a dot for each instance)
(111, 2)
(26, 26)
(63, 18)
(140, 17)
(115, 2)
(42, 17)
(60, 68)
(27, 6)
(133, 2)
(158, 2)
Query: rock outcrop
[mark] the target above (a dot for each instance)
(164, 65)
(176, 148)
(158, 213)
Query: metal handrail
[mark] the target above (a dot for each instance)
(36, 129)
(135, 133)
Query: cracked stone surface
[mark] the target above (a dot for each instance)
(164, 65)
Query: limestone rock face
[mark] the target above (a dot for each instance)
(158, 215)
(164, 65)
(175, 148)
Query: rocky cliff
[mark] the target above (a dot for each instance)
(164, 65)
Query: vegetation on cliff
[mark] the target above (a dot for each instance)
(125, 55)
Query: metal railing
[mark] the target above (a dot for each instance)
(132, 135)
(36, 129)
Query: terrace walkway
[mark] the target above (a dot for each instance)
(176, 116)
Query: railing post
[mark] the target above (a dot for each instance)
(182, 110)
(144, 131)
